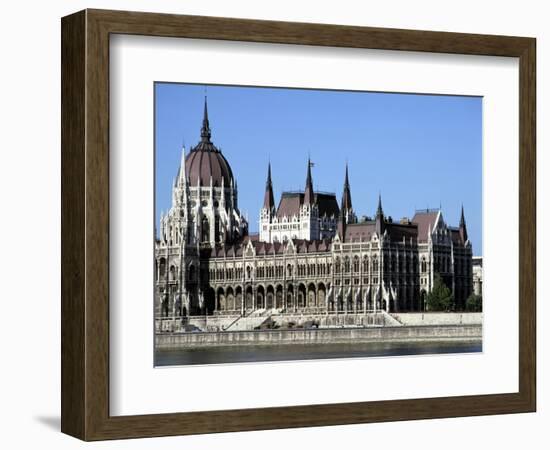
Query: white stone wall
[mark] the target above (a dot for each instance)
(428, 318)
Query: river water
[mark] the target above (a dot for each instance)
(262, 353)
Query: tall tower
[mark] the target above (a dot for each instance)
(203, 213)
(215, 218)
(309, 211)
(267, 213)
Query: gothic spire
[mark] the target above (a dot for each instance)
(346, 195)
(205, 130)
(379, 210)
(269, 202)
(308, 194)
(379, 217)
(462, 226)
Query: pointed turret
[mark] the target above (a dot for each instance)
(379, 210)
(269, 202)
(181, 178)
(347, 208)
(206, 134)
(462, 226)
(308, 194)
(379, 217)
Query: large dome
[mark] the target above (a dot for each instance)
(201, 165)
(205, 161)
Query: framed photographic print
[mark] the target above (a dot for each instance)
(272, 225)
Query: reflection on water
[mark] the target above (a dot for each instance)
(257, 353)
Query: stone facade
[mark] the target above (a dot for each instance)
(477, 268)
(311, 255)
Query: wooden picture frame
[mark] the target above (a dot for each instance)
(85, 224)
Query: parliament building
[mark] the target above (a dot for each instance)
(311, 256)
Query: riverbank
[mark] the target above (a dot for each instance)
(441, 333)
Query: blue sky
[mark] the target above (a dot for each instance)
(418, 151)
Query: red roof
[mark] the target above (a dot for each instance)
(290, 203)
(266, 248)
(360, 231)
(425, 221)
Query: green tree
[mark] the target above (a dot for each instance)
(474, 303)
(440, 298)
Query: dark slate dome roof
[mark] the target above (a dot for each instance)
(201, 165)
(205, 161)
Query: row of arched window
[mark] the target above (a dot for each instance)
(229, 273)
(356, 265)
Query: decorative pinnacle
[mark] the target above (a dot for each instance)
(380, 211)
(308, 194)
(346, 195)
(269, 201)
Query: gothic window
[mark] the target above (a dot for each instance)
(375, 264)
(365, 264)
(356, 264)
(248, 272)
(346, 264)
(172, 273)
(424, 266)
(162, 267)
(217, 228)
(205, 230)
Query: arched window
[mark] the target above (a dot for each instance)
(337, 266)
(289, 270)
(346, 264)
(217, 229)
(365, 264)
(375, 264)
(356, 264)
(424, 264)
(205, 230)
(162, 267)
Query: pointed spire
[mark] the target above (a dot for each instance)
(205, 130)
(462, 226)
(379, 210)
(379, 217)
(269, 202)
(181, 177)
(308, 194)
(346, 195)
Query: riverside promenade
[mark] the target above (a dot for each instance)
(406, 333)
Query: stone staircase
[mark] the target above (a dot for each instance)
(251, 321)
(390, 320)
